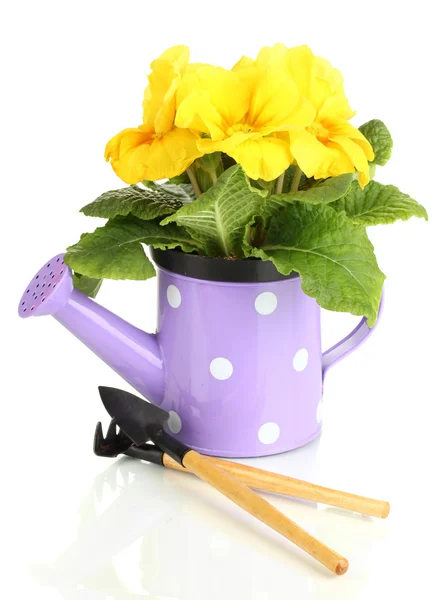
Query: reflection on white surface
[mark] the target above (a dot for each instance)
(149, 532)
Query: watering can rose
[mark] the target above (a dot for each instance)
(286, 107)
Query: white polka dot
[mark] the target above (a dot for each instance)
(174, 422)
(174, 296)
(266, 303)
(300, 359)
(268, 433)
(319, 412)
(221, 368)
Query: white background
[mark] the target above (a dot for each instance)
(79, 527)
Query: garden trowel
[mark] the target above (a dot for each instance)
(143, 422)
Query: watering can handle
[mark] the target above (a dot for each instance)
(351, 341)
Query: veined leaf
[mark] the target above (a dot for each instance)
(115, 251)
(218, 218)
(88, 286)
(147, 204)
(334, 258)
(323, 191)
(378, 204)
(183, 192)
(380, 139)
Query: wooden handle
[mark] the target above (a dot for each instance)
(281, 484)
(244, 497)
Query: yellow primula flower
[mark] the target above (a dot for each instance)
(156, 149)
(140, 153)
(240, 112)
(160, 94)
(330, 145)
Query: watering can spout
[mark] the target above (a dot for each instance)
(132, 353)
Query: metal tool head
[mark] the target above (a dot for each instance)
(139, 419)
(117, 442)
(113, 444)
(49, 289)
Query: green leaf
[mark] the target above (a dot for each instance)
(178, 179)
(150, 203)
(115, 251)
(218, 218)
(267, 186)
(380, 139)
(322, 191)
(203, 178)
(334, 258)
(254, 235)
(289, 176)
(88, 286)
(183, 192)
(378, 204)
(209, 162)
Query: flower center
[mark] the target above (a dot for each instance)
(238, 127)
(150, 131)
(319, 131)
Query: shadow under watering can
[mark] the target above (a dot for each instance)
(236, 359)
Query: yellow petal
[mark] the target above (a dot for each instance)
(177, 55)
(275, 57)
(338, 164)
(248, 73)
(317, 159)
(243, 63)
(264, 158)
(363, 179)
(226, 91)
(189, 82)
(324, 70)
(197, 112)
(136, 154)
(128, 151)
(300, 61)
(207, 146)
(310, 154)
(159, 97)
(211, 100)
(338, 126)
(171, 154)
(159, 105)
(353, 150)
(228, 144)
(304, 114)
(274, 97)
(336, 106)
(356, 155)
(326, 83)
(316, 78)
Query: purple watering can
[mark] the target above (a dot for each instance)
(236, 359)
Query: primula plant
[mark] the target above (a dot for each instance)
(259, 161)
